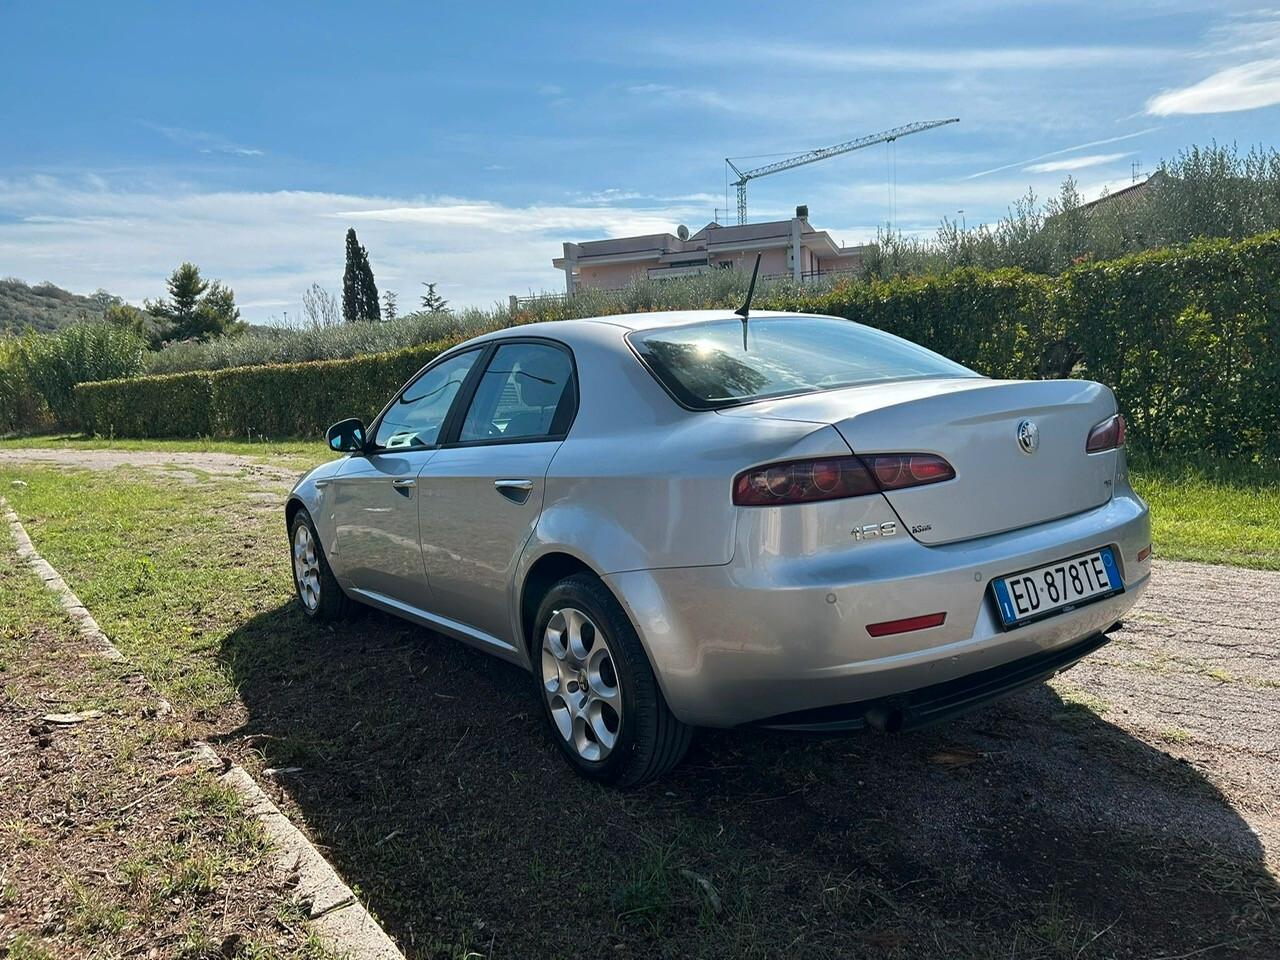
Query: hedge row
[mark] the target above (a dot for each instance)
(1188, 337)
(280, 400)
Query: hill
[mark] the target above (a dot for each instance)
(45, 307)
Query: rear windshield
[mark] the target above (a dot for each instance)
(707, 365)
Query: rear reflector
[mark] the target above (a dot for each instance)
(1107, 435)
(906, 626)
(833, 478)
(1144, 553)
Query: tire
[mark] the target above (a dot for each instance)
(319, 595)
(602, 703)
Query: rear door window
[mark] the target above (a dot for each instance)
(525, 393)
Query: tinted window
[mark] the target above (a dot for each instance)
(520, 394)
(707, 365)
(415, 419)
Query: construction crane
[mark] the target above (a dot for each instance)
(813, 156)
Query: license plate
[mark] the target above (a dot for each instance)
(1058, 587)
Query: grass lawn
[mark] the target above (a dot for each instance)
(1230, 515)
(419, 766)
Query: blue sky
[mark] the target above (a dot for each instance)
(465, 142)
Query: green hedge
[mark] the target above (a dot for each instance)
(1189, 338)
(280, 400)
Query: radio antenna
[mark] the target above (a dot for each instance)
(745, 310)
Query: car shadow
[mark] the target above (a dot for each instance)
(1031, 828)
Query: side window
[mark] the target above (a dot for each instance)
(520, 394)
(415, 419)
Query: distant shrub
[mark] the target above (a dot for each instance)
(276, 400)
(1189, 339)
(40, 371)
(261, 345)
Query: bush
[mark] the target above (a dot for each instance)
(38, 373)
(1189, 339)
(263, 345)
(279, 400)
(170, 405)
(21, 407)
(300, 399)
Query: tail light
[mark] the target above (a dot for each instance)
(1108, 435)
(834, 478)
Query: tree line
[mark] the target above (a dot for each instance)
(1205, 191)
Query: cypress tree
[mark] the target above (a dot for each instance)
(359, 292)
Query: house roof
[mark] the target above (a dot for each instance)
(713, 238)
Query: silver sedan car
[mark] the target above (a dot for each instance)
(688, 519)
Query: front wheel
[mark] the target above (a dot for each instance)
(319, 594)
(600, 697)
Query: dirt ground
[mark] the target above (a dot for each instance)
(112, 843)
(179, 465)
(1127, 809)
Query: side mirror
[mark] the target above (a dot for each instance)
(346, 436)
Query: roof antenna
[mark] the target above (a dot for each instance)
(745, 310)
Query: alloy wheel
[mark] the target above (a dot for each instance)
(306, 566)
(580, 682)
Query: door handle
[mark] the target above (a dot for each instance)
(402, 484)
(517, 491)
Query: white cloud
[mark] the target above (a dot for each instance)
(662, 93)
(1244, 87)
(923, 59)
(1077, 163)
(1058, 153)
(204, 142)
(85, 233)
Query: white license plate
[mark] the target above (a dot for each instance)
(1056, 587)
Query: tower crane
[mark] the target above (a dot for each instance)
(813, 156)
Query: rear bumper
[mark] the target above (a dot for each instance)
(941, 701)
(765, 637)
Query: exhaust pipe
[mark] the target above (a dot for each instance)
(884, 718)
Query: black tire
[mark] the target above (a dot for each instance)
(650, 741)
(333, 603)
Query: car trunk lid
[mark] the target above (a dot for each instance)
(1001, 483)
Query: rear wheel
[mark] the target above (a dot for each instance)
(598, 691)
(319, 594)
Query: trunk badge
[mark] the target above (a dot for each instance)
(1028, 437)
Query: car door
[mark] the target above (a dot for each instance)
(377, 550)
(482, 492)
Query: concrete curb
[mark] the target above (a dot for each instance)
(335, 914)
(84, 621)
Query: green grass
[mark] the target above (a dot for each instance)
(1228, 515)
(167, 569)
